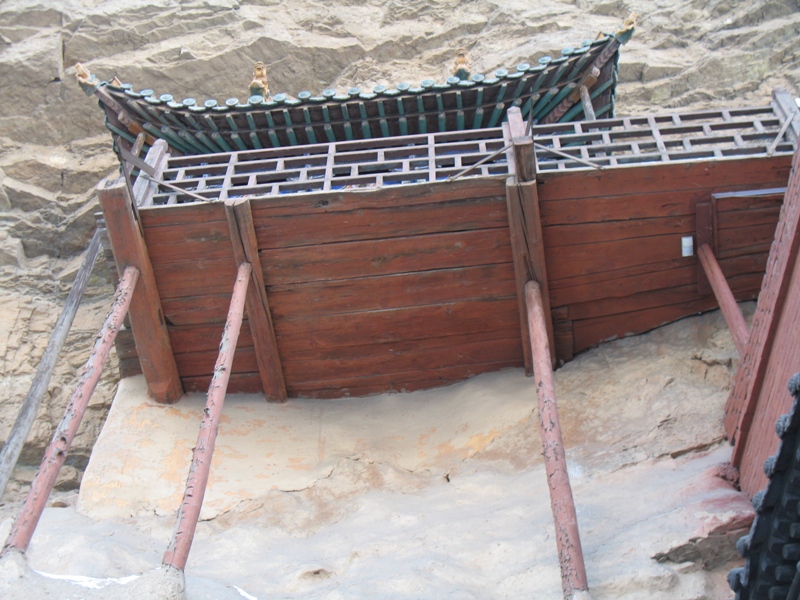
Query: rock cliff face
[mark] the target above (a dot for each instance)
(54, 147)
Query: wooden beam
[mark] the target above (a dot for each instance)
(568, 541)
(144, 188)
(185, 526)
(704, 217)
(586, 102)
(524, 156)
(727, 303)
(245, 249)
(146, 316)
(521, 265)
(529, 203)
(56, 453)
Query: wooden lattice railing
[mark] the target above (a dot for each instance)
(371, 164)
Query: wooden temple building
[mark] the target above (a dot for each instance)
(415, 236)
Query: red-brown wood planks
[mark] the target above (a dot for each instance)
(386, 256)
(718, 175)
(439, 286)
(373, 223)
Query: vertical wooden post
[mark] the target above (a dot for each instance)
(727, 303)
(525, 226)
(704, 229)
(189, 512)
(524, 156)
(570, 552)
(259, 318)
(56, 453)
(9, 455)
(146, 316)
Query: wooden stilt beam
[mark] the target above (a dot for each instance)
(727, 303)
(259, 317)
(178, 551)
(570, 552)
(147, 318)
(56, 453)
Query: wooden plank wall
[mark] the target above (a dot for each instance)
(759, 395)
(613, 243)
(403, 288)
(409, 287)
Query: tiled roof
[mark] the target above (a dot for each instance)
(549, 90)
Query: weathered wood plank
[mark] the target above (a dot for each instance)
(753, 172)
(582, 259)
(396, 325)
(747, 218)
(188, 241)
(402, 290)
(259, 318)
(438, 353)
(399, 195)
(186, 279)
(587, 233)
(383, 257)
(325, 227)
(146, 316)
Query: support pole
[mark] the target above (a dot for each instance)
(570, 554)
(727, 303)
(9, 455)
(56, 453)
(189, 512)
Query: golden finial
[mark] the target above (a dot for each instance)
(86, 80)
(82, 73)
(461, 67)
(260, 84)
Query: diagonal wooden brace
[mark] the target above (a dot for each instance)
(56, 453)
(189, 513)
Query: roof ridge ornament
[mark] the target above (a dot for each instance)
(461, 67)
(260, 84)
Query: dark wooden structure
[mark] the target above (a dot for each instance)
(382, 269)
